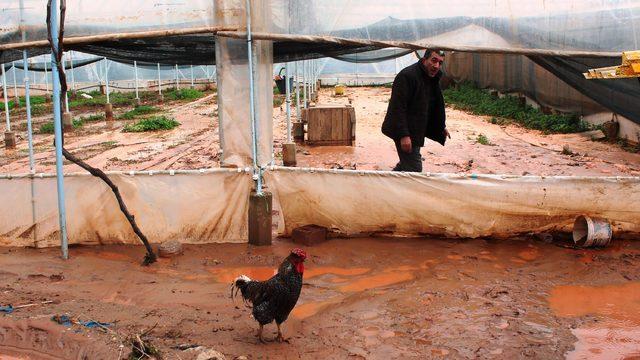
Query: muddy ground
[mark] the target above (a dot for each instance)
(379, 298)
(194, 144)
(372, 298)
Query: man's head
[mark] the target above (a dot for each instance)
(432, 61)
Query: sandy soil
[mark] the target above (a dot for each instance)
(194, 145)
(399, 298)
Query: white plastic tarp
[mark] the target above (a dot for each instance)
(355, 202)
(197, 207)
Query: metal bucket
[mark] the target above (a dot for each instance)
(591, 231)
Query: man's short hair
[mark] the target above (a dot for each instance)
(428, 53)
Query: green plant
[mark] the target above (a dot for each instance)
(47, 128)
(39, 109)
(277, 100)
(94, 117)
(140, 110)
(183, 94)
(466, 96)
(483, 139)
(152, 124)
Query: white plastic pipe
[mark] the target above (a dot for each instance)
(288, 101)
(106, 77)
(73, 76)
(6, 101)
(159, 81)
(135, 68)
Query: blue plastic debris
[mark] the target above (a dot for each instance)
(6, 309)
(92, 324)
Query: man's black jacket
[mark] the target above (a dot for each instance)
(412, 111)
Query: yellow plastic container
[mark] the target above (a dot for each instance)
(339, 90)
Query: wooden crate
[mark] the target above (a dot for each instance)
(330, 125)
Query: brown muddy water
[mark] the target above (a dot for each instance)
(373, 298)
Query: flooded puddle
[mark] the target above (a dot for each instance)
(227, 275)
(307, 310)
(616, 301)
(378, 280)
(618, 336)
(606, 341)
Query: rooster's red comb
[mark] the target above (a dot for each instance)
(299, 252)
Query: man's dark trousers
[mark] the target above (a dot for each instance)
(408, 161)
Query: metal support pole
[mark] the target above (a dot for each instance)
(159, 81)
(32, 167)
(135, 68)
(288, 94)
(28, 105)
(304, 83)
(73, 76)
(57, 129)
(257, 173)
(297, 80)
(106, 77)
(192, 86)
(46, 78)
(15, 86)
(177, 85)
(6, 101)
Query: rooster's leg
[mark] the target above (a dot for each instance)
(280, 337)
(260, 334)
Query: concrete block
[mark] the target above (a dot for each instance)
(67, 121)
(260, 220)
(289, 154)
(309, 235)
(298, 131)
(10, 140)
(108, 112)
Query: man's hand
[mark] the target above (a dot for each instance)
(446, 133)
(405, 144)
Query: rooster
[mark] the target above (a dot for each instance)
(273, 299)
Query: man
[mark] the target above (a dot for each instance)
(416, 110)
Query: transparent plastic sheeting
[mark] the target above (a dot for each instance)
(587, 25)
(356, 202)
(212, 206)
(90, 17)
(192, 208)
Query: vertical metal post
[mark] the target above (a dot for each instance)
(106, 77)
(28, 105)
(297, 80)
(6, 101)
(32, 166)
(27, 97)
(73, 76)
(46, 78)
(159, 81)
(288, 101)
(257, 174)
(177, 86)
(192, 86)
(57, 129)
(135, 68)
(15, 85)
(304, 83)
